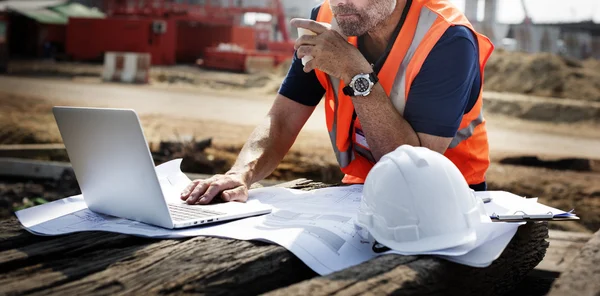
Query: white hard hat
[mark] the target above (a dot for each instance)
(416, 200)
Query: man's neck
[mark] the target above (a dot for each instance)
(378, 38)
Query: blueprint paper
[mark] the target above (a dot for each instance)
(36, 215)
(484, 255)
(317, 226)
(486, 232)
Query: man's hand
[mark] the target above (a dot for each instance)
(331, 51)
(231, 186)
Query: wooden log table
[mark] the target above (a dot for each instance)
(111, 264)
(582, 277)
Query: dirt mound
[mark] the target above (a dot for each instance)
(560, 189)
(541, 109)
(543, 74)
(24, 120)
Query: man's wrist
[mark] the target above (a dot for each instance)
(355, 70)
(245, 174)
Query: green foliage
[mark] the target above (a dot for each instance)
(27, 203)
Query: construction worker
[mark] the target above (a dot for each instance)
(410, 73)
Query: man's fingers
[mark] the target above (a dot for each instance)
(186, 192)
(304, 51)
(198, 192)
(204, 191)
(309, 66)
(237, 194)
(308, 24)
(214, 189)
(217, 187)
(305, 40)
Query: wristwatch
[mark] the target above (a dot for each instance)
(361, 85)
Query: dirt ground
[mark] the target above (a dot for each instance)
(542, 74)
(180, 76)
(29, 120)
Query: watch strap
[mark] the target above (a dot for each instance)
(348, 90)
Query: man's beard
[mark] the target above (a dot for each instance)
(375, 13)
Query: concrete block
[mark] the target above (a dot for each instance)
(126, 67)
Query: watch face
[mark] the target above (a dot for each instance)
(361, 85)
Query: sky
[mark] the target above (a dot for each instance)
(544, 11)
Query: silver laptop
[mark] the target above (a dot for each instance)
(115, 171)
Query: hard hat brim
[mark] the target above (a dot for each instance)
(430, 244)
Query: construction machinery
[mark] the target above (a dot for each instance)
(527, 19)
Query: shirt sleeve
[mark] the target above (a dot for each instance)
(299, 86)
(447, 85)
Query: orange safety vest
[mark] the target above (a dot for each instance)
(426, 22)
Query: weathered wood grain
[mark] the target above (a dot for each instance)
(564, 248)
(32, 150)
(582, 277)
(426, 275)
(105, 263)
(32, 169)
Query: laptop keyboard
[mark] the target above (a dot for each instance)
(182, 212)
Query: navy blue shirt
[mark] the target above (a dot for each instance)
(446, 87)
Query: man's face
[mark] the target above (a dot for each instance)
(356, 17)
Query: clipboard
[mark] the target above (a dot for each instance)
(521, 216)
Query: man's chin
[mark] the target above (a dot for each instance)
(351, 30)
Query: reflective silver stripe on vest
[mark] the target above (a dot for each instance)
(365, 153)
(466, 132)
(426, 20)
(344, 158)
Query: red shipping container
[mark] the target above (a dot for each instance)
(191, 41)
(89, 39)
